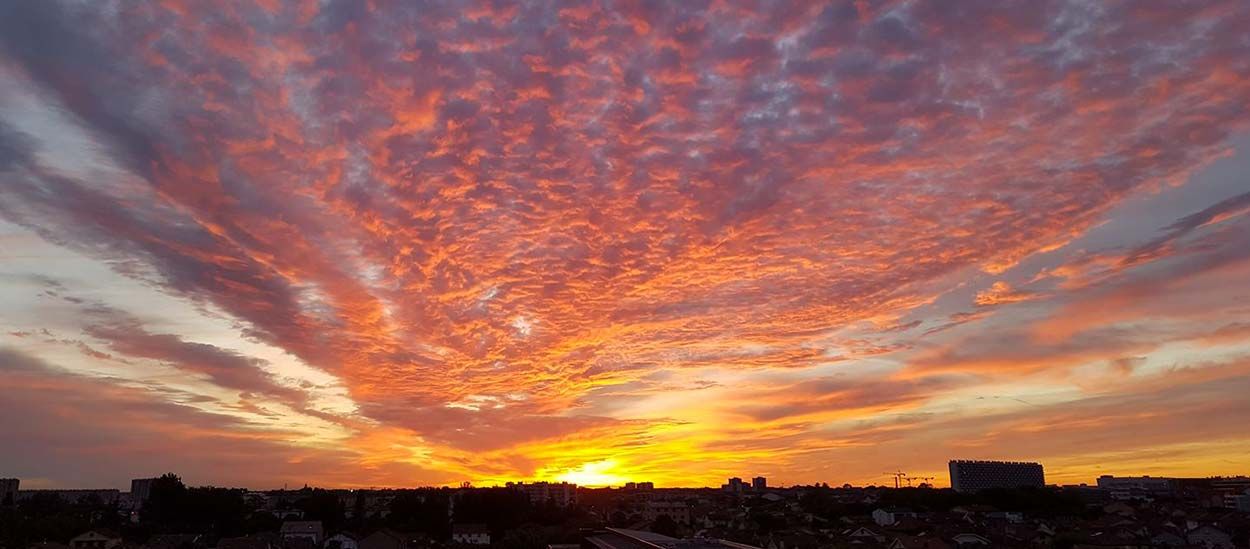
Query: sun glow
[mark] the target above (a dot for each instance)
(594, 473)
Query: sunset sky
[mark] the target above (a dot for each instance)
(399, 243)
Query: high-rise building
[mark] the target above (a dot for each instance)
(8, 490)
(975, 475)
(646, 485)
(140, 490)
(735, 485)
(759, 483)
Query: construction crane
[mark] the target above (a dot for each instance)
(922, 479)
(898, 478)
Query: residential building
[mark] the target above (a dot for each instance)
(342, 540)
(678, 511)
(562, 494)
(976, 475)
(1136, 487)
(970, 540)
(106, 496)
(8, 490)
(620, 538)
(646, 486)
(890, 517)
(470, 534)
(176, 541)
(140, 490)
(310, 530)
(389, 539)
(96, 539)
(759, 483)
(1209, 537)
(735, 485)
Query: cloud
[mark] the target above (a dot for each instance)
(1001, 293)
(492, 227)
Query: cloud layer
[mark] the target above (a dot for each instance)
(430, 242)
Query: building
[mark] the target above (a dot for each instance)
(310, 530)
(1136, 487)
(140, 490)
(342, 540)
(562, 494)
(106, 496)
(620, 538)
(247, 542)
(8, 490)
(975, 475)
(1209, 537)
(890, 517)
(677, 511)
(176, 541)
(759, 483)
(646, 486)
(391, 539)
(734, 485)
(1237, 502)
(470, 534)
(96, 539)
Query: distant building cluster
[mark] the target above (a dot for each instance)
(562, 494)
(977, 475)
(1227, 492)
(736, 485)
(639, 486)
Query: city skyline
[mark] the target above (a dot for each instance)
(367, 244)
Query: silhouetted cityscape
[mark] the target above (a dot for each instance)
(989, 504)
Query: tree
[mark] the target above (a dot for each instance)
(166, 500)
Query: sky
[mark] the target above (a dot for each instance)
(402, 243)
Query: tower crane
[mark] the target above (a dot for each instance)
(921, 479)
(898, 477)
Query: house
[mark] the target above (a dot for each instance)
(310, 530)
(96, 539)
(1167, 539)
(246, 542)
(1206, 536)
(861, 534)
(888, 517)
(969, 540)
(470, 534)
(176, 541)
(918, 542)
(389, 539)
(1013, 517)
(342, 540)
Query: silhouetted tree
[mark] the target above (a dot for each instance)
(165, 502)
